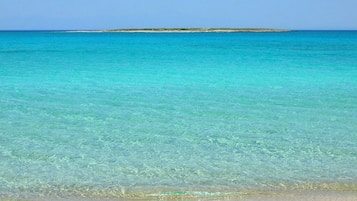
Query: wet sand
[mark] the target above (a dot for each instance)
(296, 196)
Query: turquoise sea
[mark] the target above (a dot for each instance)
(160, 115)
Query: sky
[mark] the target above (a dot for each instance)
(112, 14)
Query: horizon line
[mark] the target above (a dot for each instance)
(39, 30)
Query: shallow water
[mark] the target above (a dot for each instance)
(98, 114)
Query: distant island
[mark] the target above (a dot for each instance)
(189, 30)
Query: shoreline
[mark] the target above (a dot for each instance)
(195, 196)
(121, 193)
(186, 30)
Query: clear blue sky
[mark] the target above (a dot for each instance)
(110, 14)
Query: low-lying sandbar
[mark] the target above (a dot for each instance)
(187, 30)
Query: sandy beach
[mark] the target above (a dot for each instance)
(321, 196)
(196, 196)
(297, 196)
